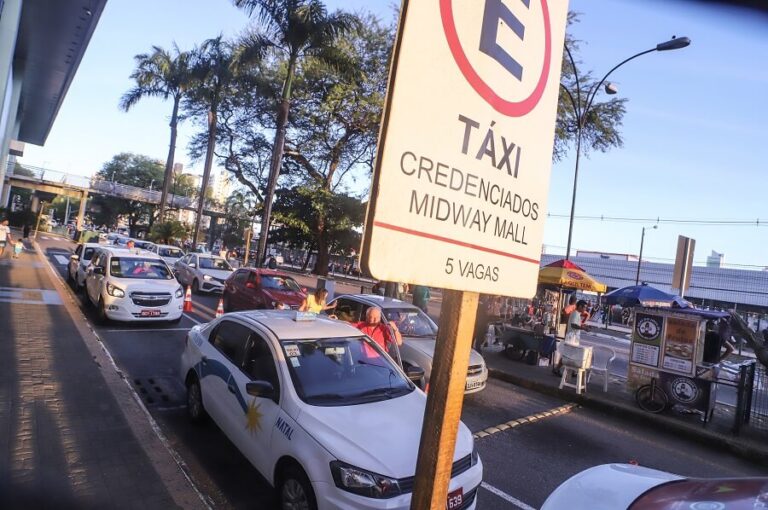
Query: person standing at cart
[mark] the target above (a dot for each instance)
(573, 331)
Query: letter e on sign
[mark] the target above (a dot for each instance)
(473, 89)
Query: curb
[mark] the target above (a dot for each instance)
(694, 432)
(167, 463)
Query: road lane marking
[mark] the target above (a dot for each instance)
(209, 311)
(567, 408)
(192, 318)
(506, 497)
(61, 259)
(24, 296)
(46, 238)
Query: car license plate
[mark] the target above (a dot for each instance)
(150, 313)
(471, 385)
(455, 499)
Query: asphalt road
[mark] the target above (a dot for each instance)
(522, 464)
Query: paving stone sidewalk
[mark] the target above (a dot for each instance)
(65, 441)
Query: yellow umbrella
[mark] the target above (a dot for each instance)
(565, 273)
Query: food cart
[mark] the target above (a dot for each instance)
(666, 365)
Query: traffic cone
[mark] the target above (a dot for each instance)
(188, 300)
(220, 308)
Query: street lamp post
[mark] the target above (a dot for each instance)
(581, 113)
(640, 258)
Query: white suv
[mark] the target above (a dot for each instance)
(78, 263)
(133, 285)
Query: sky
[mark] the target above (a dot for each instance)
(693, 130)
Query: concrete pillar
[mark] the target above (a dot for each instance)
(81, 213)
(10, 84)
(35, 204)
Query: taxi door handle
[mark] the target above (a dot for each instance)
(231, 389)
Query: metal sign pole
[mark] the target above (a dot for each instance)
(445, 399)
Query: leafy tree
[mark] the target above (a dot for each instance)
(166, 232)
(297, 213)
(133, 170)
(293, 30)
(600, 124)
(164, 74)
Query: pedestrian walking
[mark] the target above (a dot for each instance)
(421, 295)
(18, 247)
(25, 231)
(316, 302)
(5, 236)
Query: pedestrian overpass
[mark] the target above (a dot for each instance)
(80, 187)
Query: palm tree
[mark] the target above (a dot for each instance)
(215, 72)
(166, 75)
(294, 29)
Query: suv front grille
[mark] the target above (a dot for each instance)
(150, 299)
(475, 370)
(459, 467)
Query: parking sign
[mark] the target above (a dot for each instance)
(465, 151)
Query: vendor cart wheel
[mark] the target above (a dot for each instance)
(651, 398)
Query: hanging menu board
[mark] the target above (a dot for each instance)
(680, 339)
(646, 339)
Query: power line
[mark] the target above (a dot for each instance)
(658, 220)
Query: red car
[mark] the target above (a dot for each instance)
(257, 289)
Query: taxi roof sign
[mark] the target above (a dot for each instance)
(304, 316)
(460, 187)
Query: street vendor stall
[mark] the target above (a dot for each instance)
(667, 362)
(564, 274)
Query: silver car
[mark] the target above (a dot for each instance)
(203, 272)
(170, 254)
(418, 330)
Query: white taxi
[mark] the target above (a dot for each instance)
(132, 285)
(318, 408)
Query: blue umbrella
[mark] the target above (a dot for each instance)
(643, 295)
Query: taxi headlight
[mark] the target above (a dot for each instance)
(115, 291)
(362, 482)
(179, 293)
(207, 277)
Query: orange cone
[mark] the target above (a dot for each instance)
(188, 300)
(220, 308)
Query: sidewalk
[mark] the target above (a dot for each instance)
(71, 433)
(619, 401)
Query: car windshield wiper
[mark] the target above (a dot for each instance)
(381, 392)
(326, 396)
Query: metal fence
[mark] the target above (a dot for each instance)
(758, 418)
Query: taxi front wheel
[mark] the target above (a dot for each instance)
(195, 408)
(296, 490)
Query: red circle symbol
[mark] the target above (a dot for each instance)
(575, 276)
(509, 108)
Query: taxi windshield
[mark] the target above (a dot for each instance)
(171, 252)
(279, 283)
(214, 263)
(146, 269)
(411, 322)
(343, 371)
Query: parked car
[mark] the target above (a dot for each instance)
(79, 262)
(253, 289)
(126, 285)
(203, 272)
(624, 486)
(319, 409)
(170, 254)
(418, 331)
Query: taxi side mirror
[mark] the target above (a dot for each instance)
(415, 374)
(193, 265)
(98, 270)
(250, 285)
(262, 389)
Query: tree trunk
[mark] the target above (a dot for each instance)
(277, 159)
(207, 169)
(306, 260)
(321, 265)
(168, 177)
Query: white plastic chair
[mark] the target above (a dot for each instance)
(577, 360)
(603, 368)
